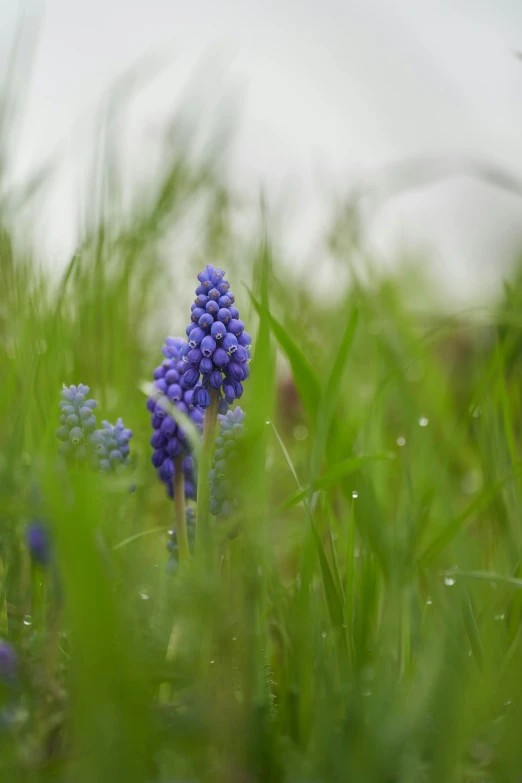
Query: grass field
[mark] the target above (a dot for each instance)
(364, 623)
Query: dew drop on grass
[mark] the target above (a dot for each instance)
(28, 620)
(300, 432)
(401, 440)
(429, 602)
(355, 494)
(212, 661)
(144, 596)
(500, 616)
(323, 634)
(423, 421)
(449, 581)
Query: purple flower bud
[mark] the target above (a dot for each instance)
(224, 315)
(234, 312)
(224, 302)
(190, 378)
(158, 373)
(173, 448)
(212, 307)
(235, 371)
(200, 290)
(184, 353)
(168, 426)
(245, 340)
(217, 276)
(206, 365)
(190, 328)
(194, 357)
(208, 345)
(196, 336)
(229, 391)
(220, 357)
(215, 379)
(203, 398)
(182, 407)
(201, 300)
(151, 404)
(213, 294)
(246, 371)
(174, 392)
(204, 277)
(206, 321)
(197, 312)
(238, 388)
(235, 326)
(229, 342)
(218, 330)
(223, 287)
(62, 433)
(156, 418)
(161, 385)
(241, 355)
(222, 406)
(167, 469)
(173, 375)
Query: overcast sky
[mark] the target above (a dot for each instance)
(328, 92)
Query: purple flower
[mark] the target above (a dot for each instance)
(168, 440)
(218, 335)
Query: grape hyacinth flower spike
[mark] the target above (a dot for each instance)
(172, 456)
(218, 345)
(111, 446)
(77, 422)
(217, 355)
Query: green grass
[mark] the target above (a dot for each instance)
(365, 624)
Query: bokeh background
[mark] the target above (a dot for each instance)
(415, 106)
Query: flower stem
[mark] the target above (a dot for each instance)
(207, 448)
(179, 508)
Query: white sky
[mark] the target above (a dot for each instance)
(329, 91)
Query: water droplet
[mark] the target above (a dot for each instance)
(323, 634)
(429, 602)
(449, 581)
(367, 693)
(234, 638)
(507, 703)
(300, 432)
(423, 421)
(500, 616)
(27, 620)
(212, 661)
(144, 596)
(355, 494)
(267, 421)
(401, 440)
(170, 532)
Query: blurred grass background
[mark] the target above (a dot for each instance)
(365, 624)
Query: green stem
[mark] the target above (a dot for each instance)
(207, 449)
(179, 508)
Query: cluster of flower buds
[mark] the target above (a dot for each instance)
(77, 422)
(218, 348)
(169, 439)
(172, 544)
(111, 446)
(223, 496)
